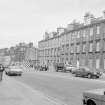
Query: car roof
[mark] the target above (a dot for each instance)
(84, 67)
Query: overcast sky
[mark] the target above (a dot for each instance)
(27, 20)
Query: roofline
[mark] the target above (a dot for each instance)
(82, 27)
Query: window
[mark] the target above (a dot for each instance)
(78, 34)
(83, 62)
(72, 50)
(98, 30)
(67, 38)
(91, 47)
(72, 36)
(97, 46)
(90, 63)
(84, 47)
(91, 31)
(67, 46)
(55, 52)
(84, 33)
(104, 63)
(78, 48)
(51, 52)
(104, 46)
(62, 47)
(97, 63)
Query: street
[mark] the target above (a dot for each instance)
(62, 87)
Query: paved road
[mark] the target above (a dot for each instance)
(60, 86)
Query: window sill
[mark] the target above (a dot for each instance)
(77, 52)
(97, 51)
(90, 52)
(83, 52)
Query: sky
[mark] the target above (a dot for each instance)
(27, 20)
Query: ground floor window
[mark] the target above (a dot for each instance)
(62, 59)
(90, 63)
(97, 63)
(104, 63)
(67, 59)
(83, 62)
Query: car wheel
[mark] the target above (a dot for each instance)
(71, 71)
(91, 103)
(94, 77)
(20, 74)
(89, 76)
(64, 70)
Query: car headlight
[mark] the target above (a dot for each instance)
(95, 73)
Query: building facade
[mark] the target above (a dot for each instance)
(49, 49)
(84, 43)
(17, 53)
(31, 56)
(24, 54)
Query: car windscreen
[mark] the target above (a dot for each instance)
(14, 69)
(85, 69)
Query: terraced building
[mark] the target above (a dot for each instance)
(84, 42)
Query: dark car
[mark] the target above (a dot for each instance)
(59, 67)
(86, 72)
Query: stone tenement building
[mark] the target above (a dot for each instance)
(31, 56)
(4, 57)
(84, 42)
(17, 53)
(25, 54)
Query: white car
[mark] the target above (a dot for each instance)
(69, 68)
(14, 70)
(94, 97)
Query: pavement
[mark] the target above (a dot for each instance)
(13, 92)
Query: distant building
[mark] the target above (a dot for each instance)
(5, 58)
(24, 54)
(31, 56)
(17, 52)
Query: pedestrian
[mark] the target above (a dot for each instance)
(78, 62)
(1, 71)
(45, 68)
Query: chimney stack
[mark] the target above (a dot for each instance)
(104, 14)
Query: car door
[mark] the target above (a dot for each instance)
(78, 72)
(83, 72)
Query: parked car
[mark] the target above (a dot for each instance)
(94, 97)
(69, 68)
(13, 70)
(86, 72)
(59, 67)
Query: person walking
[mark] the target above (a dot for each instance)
(78, 62)
(1, 71)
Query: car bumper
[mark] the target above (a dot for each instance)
(14, 73)
(68, 70)
(84, 102)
